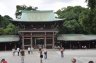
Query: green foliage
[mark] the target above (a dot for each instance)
(90, 20)
(6, 27)
(91, 4)
(1, 31)
(10, 29)
(72, 22)
(19, 9)
(78, 19)
(4, 21)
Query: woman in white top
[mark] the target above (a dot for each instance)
(18, 50)
(29, 50)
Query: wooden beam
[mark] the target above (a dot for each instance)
(45, 40)
(31, 41)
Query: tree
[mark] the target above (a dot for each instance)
(72, 23)
(82, 19)
(1, 31)
(6, 27)
(10, 29)
(90, 20)
(19, 9)
(4, 21)
(91, 4)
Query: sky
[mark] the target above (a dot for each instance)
(8, 7)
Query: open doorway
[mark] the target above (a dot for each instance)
(38, 42)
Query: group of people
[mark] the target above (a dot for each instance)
(16, 51)
(30, 50)
(3, 61)
(74, 61)
(43, 52)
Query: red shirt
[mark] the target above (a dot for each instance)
(4, 62)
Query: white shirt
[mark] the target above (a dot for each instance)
(29, 48)
(18, 49)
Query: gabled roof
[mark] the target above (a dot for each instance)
(9, 38)
(76, 37)
(38, 16)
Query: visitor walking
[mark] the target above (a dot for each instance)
(40, 48)
(62, 50)
(41, 55)
(45, 53)
(22, 55)
(29, 50)
(18, 51)
(13, 51)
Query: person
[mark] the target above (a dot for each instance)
(3, 61)
(22, 55)
(41, 55)
(45, 53)
(62, 50)
(13, 51)
(90, 62)
(29, 50)
(40, 48)
(18, 51)
(73, 60)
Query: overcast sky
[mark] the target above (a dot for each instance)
(8, 7)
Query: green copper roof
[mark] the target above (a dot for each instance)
(38, 16)
(76, 37)
(9, 38)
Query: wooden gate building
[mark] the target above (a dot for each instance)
(38, 28)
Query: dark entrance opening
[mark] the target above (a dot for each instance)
(38, 42)
(65, 44)
(93, 44)
(2, 46)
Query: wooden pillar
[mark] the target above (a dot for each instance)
(53, 40)
(45, 40)
(70, 44)
(5, 46)
(23, 42)
(35, 42)
(31, 40)
(79, 43)
(89, 44)
(15, 46)
(24, 27)
(61, 44)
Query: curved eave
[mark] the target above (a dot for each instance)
(78, 40)
(37, 21)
